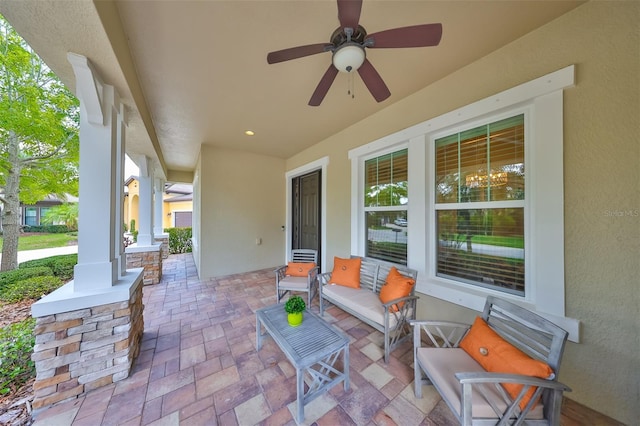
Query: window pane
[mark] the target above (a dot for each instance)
(386, 180)
(387, 235)
(484, 247)
(507, 159)
(447, 170)
(30, 216)
(482, 164)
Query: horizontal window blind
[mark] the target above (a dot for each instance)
(482, 246)
(482, 164)
(386, 186)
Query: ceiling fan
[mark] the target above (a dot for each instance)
(348, 43)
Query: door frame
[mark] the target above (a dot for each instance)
(321, 165)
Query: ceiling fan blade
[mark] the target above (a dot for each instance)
(373, 81)
(414, 36)
(323, 87)
(349, 13)
(297, 52)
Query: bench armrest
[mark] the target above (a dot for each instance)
(280, 272)
(442, 334)
(518, 379)
(471, 382)
(387, 305)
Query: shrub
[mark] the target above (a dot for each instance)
(179, 240)
(16, 345)
(31, 288)
(61, 265)
(9, 278)
(46, 229)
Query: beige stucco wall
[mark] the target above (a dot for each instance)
(242, 200)
(177, 206)
(131, 202)
(601, 179)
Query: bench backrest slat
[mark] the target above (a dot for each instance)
(373, 273)
(368, 273)
(304, 256)
(529, 332)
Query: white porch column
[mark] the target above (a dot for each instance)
(120, 159)
(97, 276)
(145, 206)
(97, 266)
(158, 214)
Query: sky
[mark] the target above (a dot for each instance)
(130, 168)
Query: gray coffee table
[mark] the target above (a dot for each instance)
(313, 348)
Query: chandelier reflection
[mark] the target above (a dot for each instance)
(483, 181)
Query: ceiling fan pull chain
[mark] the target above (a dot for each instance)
(350, 86)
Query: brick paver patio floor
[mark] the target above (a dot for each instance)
(198, 365)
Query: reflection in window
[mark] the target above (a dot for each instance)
(479, 189)
(385, 206)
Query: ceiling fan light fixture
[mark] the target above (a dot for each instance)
(348, 57)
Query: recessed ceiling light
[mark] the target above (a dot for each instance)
(249, 133)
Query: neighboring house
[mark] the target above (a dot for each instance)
(177, 206)
(32, 214)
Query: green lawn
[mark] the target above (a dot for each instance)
(41, 241)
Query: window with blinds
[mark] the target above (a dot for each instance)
(479, 203)
(385, 206)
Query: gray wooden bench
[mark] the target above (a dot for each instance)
(476, 396)
(364, 303)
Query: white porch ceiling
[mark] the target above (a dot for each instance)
(195, 72)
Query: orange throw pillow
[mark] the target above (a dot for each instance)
(396, 286)
(299, 269)
(497, 355)
(346, 272)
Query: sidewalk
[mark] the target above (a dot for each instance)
(23, 256)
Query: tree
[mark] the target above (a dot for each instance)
(66, 214)
(39, 144)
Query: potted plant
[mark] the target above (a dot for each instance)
(294, 307)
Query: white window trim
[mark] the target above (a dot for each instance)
(545, 196)
(320, 164)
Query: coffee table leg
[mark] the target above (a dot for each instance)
(300, 396)
(346, 368)
(258, 334)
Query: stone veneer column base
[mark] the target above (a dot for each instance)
(147, 257)
(78, 351)
(163, 239)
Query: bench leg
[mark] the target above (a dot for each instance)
(300, 395)
(417, 377)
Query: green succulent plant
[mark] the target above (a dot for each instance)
(294, 305)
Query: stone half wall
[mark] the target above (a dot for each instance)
(78, 351)
(150, 260)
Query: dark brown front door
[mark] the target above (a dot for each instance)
(306, 212)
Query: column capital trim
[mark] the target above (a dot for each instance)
(88, 87)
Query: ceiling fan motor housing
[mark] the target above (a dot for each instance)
(348, 57)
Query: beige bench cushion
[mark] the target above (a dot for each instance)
(443, 363)
(290, 282)
(365, 302)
